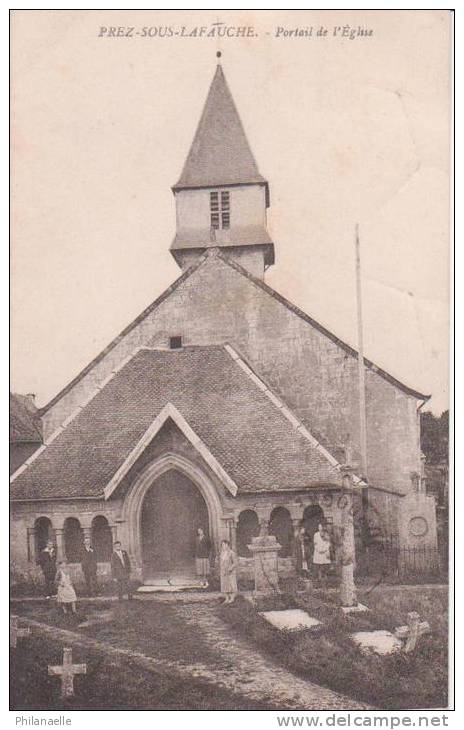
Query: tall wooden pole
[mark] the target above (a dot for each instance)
(361, 369)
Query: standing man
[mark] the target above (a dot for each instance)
(120, 569)
(300, 552)
(47, 561)
(202, 556)
(89, 567)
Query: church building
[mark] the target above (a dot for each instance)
(221, 406)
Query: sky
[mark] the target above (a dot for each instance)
(346, 130)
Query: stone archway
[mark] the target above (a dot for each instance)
(134, 502)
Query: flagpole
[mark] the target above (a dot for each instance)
(361, 368)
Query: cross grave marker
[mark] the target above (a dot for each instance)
(15, 632)
(67, 672)
(413, 631)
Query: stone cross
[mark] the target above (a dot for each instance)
(15, 632)
(67, 672)
(347, 585)
(413, 631)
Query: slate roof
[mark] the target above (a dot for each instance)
(201, 239)
(243, 429)
(220, 153)
(25, 424)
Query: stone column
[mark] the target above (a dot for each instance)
(296, 514)
(87, 532)
(347, 587)
(30, 544)
(59, 539)
(233, 534)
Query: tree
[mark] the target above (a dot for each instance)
(435, 437)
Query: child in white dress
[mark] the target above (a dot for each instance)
(321, 555)
(66, 594)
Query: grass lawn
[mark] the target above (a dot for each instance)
(147, 626)
(326, 655)
(329, 657)
(110, 684)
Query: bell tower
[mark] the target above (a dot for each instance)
(221, 198)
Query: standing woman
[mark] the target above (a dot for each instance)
(228, 570)
(66, 593)
(202, 556)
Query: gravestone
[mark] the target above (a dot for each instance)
(67, 672)
(292, 619)
(15, 632)
(380, 641)
(413, 631)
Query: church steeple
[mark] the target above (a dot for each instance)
(221, 198)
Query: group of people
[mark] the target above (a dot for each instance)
(58, 581)
(312, 557)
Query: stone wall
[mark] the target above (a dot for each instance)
(169, 441)
(314, 374)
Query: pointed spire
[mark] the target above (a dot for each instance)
(220, 153)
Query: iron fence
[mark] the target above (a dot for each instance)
(388, 558)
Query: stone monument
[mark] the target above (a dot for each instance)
(348, 597)
(265, 549)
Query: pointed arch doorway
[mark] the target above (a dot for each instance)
(172, 510)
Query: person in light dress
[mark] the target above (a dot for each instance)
(228, 571)
(66, 595)
(321, 554)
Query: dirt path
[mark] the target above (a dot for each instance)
(248, 673)
(258, 676)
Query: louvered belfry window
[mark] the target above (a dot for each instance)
(219, 205)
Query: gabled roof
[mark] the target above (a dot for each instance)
(220, 153)
(257, 282)
(226, 410)
(169, 412)
(25, 424)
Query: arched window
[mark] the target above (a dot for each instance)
(73, 540)
(43, 532)
(313, 516)
(280, 525)
(102, 539)
(248, 527)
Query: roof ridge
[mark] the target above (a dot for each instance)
(287, 412)
(307, 318)
(116, 340)
(96, 390)
(216, 251)
(170, 411)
